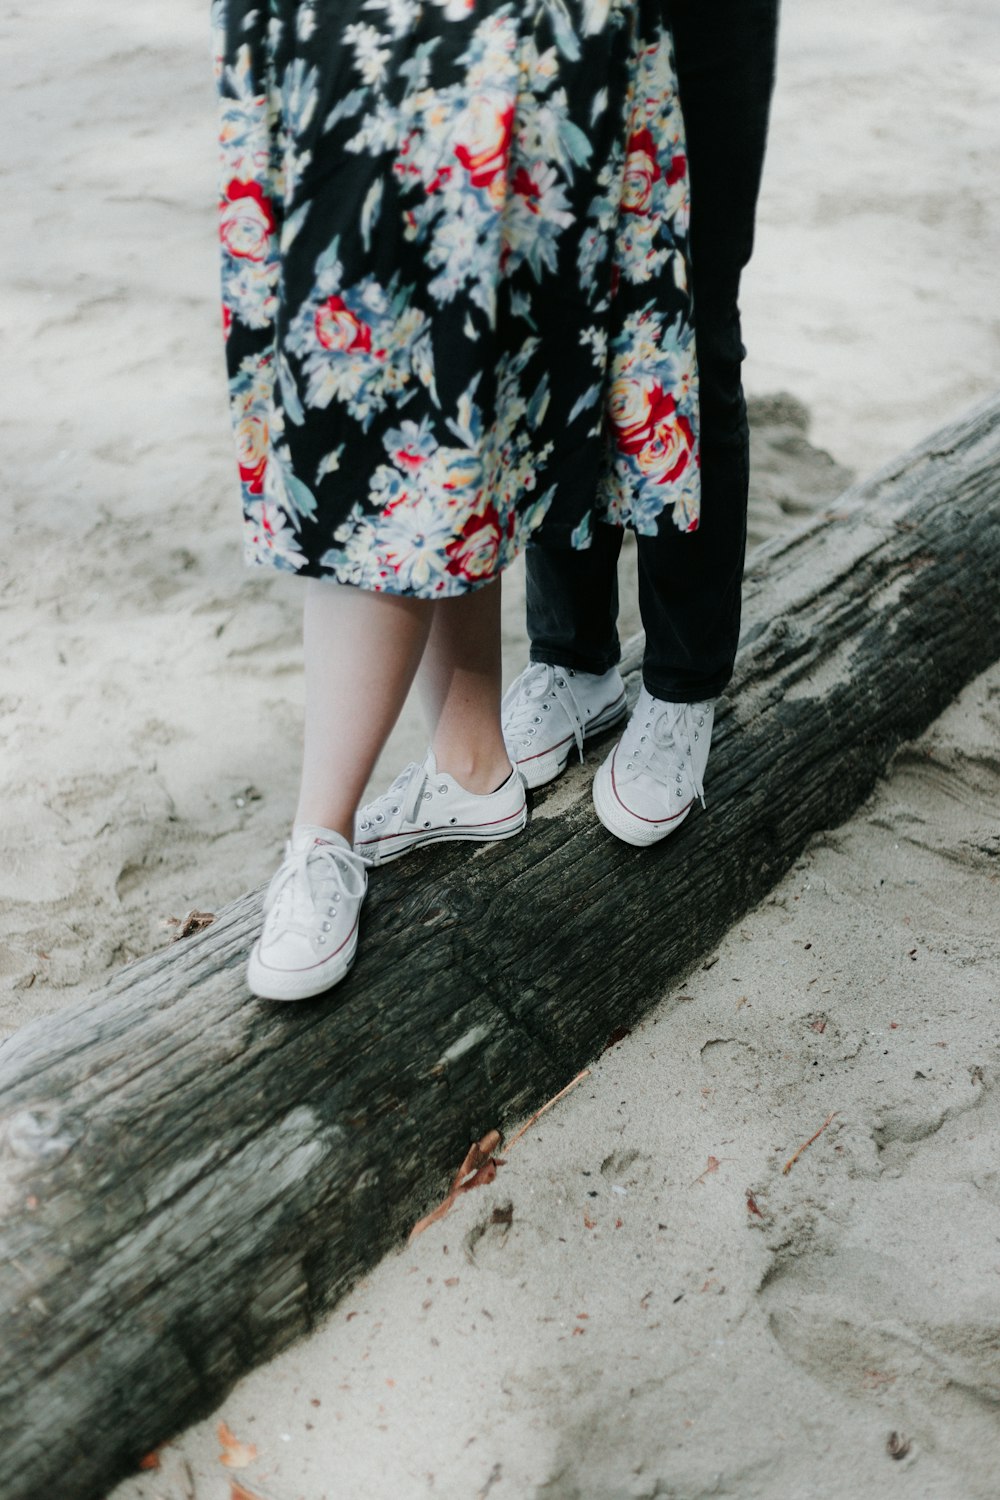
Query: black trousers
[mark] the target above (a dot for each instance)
(689, 583)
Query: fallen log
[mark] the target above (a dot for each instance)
(189, 1178)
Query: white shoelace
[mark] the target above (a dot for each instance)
(523, 699)
(400, 801)
(313, 878)
(665, 747)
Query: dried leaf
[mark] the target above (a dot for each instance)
(478, 1168)
(713, 1166)
(752, 1206)
(504, 1215)
(819, 1024)
(588, 1222)
(195, 921)
(151, 1460)
(237, 1455)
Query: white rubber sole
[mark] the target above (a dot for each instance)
(300, 984)
(394, 846)
(538, 770)
(623, 823)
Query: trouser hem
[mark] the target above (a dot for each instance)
(575, 661)
(683, 692)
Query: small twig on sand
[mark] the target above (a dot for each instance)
(789, 1164)
(585, 1073)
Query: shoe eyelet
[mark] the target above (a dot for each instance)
(452, 820)
(427, 825)
(700, 723)
(696, 734)
(394, 810)
(442, 790)
(365, 827)
(642, 739)
(427, 796)
(677, 778)
(680, 794)
(380, 817)
(321, 940)
(630, 767)
(326, 927)
(545, 709)
(537, 719)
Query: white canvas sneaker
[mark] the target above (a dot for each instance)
(548, 710)
(311, 912)
(652, 778)
(427, 806)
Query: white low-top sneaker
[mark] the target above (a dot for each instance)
(311, 912)
(548, 710)
(652, 778)
(427, 806)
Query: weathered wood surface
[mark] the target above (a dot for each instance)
(189, 1178)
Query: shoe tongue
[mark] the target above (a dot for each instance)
(306, 836)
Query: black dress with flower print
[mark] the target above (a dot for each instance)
(455, 282)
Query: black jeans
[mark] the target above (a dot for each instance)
(689, 583)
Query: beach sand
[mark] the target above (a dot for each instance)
(150, 702)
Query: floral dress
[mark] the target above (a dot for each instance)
(455, 282)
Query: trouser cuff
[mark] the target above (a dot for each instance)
(576, 661)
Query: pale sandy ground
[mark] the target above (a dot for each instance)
(150, 699)
(637, 1331)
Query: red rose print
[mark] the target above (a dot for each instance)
(246, 221)
(485, 155)
(473, 554)
(648, 428)
(642, 170)
(340, 330)
(251, 451)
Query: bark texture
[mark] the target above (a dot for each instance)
(189, 1178)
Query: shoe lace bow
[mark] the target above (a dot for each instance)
(521, 703)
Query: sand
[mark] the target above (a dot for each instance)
(149, 738)
(668, 1313)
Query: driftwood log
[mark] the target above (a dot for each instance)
(189, 1178)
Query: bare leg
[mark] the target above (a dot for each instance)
(459, 682)
(362, 651)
